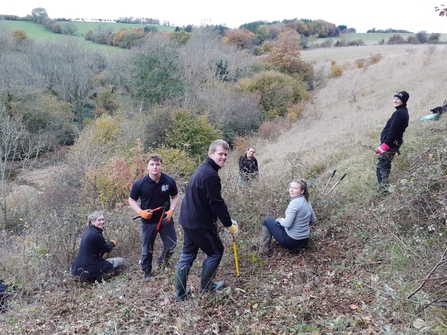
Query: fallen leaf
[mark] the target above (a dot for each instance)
(418, 323)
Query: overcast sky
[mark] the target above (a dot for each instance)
(413, 15)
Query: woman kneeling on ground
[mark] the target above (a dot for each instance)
(89, 263)
(292, 231)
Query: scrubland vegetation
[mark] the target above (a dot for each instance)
(83, 123)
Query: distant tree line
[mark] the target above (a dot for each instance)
(389, 30)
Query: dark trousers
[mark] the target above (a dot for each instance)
(149, 234)
(280, 235)
(206, 240)
(384, 167)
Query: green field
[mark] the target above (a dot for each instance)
(85, 27)
(375, 38)
(39, 32)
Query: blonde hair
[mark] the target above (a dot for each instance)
(217, 143)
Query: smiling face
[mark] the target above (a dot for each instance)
(397, 102)
(295, 190)
(219, 156)
(99, 222)
(251, 153)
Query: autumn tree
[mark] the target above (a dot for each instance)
(243, 38)
(286, 54)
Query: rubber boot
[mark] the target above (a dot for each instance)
(206, 281)
(265, 240)
(181, 291)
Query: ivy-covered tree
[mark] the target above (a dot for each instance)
(156, 73)
(192, 134)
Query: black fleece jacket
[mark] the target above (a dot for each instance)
(203, 203)
(89, 262)
(393, 132)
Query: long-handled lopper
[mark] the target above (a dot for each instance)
(165, 208)
(153, 210)
(327, 184)
(337, 183)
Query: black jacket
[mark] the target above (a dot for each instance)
(248, 168)
(89, 262)
(393, 132)
(203, 202)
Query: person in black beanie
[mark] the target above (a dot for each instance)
(391, 139)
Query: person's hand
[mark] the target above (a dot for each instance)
(145, 213)
(233, 229)
(382, 148)
(277, 222)
(114, 243)
(168, 215)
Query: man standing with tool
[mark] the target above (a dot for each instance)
(201, 207)
(154, 191)
(391, 139)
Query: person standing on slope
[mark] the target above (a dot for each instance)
(391, 139)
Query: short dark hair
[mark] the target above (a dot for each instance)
(155, 157)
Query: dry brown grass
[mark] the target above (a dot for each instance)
(334, 120)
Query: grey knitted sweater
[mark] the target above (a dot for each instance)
(299, 217)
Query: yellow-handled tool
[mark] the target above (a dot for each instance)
(236, 258)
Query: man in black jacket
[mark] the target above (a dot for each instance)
(391, 139)
(201, 207)
(248, 166)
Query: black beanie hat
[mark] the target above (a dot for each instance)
(403, 96)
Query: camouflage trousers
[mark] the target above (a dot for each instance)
(383, 168)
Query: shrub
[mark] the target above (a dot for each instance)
(375, 58)
(396, 39)
(336, 70)
(270, 130)
(276, 91)
(192, 134)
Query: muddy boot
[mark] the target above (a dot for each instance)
(181, 291)
(206, 282)
(265, 241)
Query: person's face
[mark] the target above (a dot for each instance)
(295, 190)
(154, 167)
(219, 156)
(397, 102)
(99, 222)
(251, 153)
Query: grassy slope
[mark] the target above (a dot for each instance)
(39, 32)
(354, 278)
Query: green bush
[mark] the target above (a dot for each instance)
(192, 134)
(276, 91)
